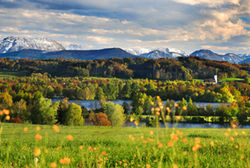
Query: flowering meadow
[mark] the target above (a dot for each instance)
(26, 145)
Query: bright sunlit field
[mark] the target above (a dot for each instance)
(52, 146)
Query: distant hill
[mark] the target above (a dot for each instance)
(44, 48)
(230, 57)
(246, 60)
(69, 54)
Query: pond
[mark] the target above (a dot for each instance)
(188, 125)
(94, 104)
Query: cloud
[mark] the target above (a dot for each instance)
(223, 48)
(188, 24)
(210, 3)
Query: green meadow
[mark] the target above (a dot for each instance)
(26, 145)
(11, 74)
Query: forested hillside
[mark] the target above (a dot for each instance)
(185, 68)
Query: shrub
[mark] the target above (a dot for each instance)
(115, 113)
(73, 115)
(100, 119)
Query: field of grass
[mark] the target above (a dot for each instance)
(11, 74)
(198, 80)
(47, 146)
(231, 79)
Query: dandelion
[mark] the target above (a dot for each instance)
(159, 145)
(236, 133)
(37, 152)
(25, 129)
(151, 133)
(179, 132)
(38, 137)
(184, 108)
(70, 137)
(38, 128)
(157, 109)
(197, 140)
(226, 134)
(56, 128)
(53, 165)
(7, 118)
(65, 160)
(61, 161)
(212, 143)
(174, 137)
(243, 132)
(170, 143)
(185, 140)
(175, 166)
(6, 112)
(196, 147)
(150, 139)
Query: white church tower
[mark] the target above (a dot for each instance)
(216, 79)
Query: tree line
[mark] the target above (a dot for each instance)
(113, 89)
(184, 68)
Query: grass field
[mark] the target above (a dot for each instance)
(11, 74)
(27, 146)
(231, 79)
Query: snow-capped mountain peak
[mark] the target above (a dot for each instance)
(157, 53)
(138, 51)
(11, 44)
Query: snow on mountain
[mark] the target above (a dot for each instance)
(11, 44)
(138, 51)
(157, 53)
(229, 57)
(163, 53)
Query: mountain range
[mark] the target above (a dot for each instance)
(43, 48)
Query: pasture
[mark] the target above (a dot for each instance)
(26, 145)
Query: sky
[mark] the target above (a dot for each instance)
(222, 26)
